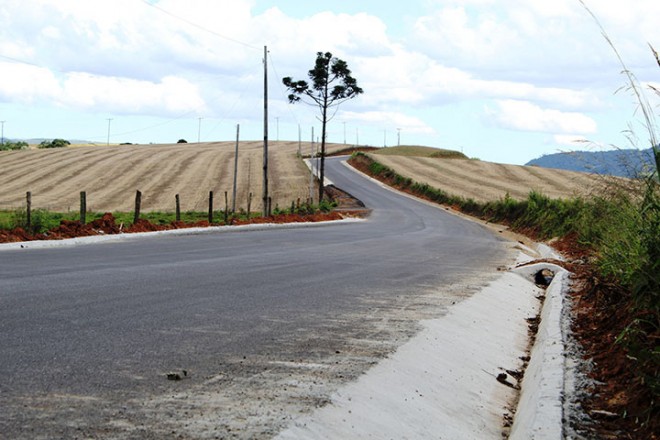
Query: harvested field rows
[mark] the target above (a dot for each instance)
(484, 181)
(111, 175)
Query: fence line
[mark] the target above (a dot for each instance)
(28, 209)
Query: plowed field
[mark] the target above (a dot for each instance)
(111, 175)
(485, 181)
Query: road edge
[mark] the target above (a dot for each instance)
(539, 413)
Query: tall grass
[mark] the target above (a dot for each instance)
(631, 243)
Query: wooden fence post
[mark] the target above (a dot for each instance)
(249, 205)
(138, 205)
(210, 207)
(178, 208)
(270, 204)
(226, 208)
(83, 207)
(28, 200)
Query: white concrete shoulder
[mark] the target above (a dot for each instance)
(441, 384)
(539, 414)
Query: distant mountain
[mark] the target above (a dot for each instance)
(37, 141)
(623, 163)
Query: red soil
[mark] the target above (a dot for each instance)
(106, 225)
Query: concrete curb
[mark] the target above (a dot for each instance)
(113, 238)
(539, 413)
(443, 382)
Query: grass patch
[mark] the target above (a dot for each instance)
(419, 151)
(43, 220)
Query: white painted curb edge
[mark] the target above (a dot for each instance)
(112, 238)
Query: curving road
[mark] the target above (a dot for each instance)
(266, 323)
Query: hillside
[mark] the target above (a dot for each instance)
(623, 163)
(484, 181)
(111, 175)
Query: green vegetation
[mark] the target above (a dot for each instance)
(44, 220)
(55, 143)
(10, 146)
(419, 151)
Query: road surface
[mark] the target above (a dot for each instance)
(266, 323)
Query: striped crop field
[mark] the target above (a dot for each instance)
(110, 175)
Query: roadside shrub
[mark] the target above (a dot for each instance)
(40, 220)
(326, 205)
(11, 146)
(55, 143)
(377, 168)
(182, 141)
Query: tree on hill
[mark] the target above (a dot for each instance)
(331, 84)
(55, 143)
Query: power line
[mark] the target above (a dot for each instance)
(289, 108)
(16, 60)
(198, 26)
(181, 116)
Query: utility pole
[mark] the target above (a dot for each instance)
(299, 142)
(109, 121)
(398, 137)
(2, 141)
(199, 130)
(344, 132)
(233, 203)
(265, 195)
(311, 169)
(357, 137)
(384, 138)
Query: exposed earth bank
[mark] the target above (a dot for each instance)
(107, 225)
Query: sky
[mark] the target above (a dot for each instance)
(501, 80)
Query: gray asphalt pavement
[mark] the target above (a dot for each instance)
(104, 322)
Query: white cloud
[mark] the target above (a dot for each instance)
(83, 91)
(407, 124)
(544, 63)
(571, 140)
(415, 79)
(359, 34)
(525, 116)
(26, 84)
(171, 95)
(537, 40)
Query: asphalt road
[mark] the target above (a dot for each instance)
(88, 332)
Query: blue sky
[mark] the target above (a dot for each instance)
(504, 81)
